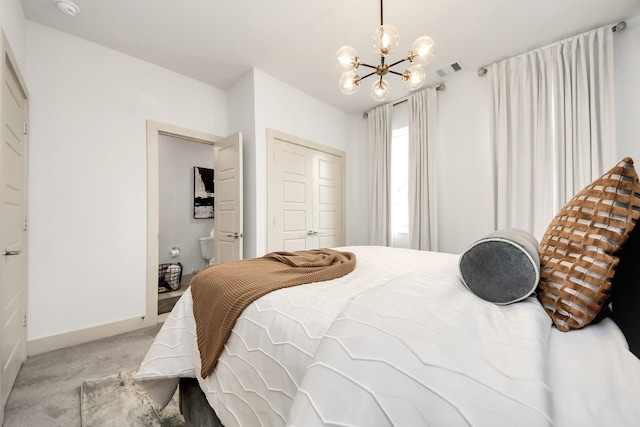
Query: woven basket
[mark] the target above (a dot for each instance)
(169, 277)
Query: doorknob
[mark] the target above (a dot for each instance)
(235, 235)
(9, 253)
(312, 233)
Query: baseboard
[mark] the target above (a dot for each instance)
(55, 342)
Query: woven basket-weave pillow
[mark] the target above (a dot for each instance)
(577, 252)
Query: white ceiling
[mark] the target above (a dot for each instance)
(295, 41)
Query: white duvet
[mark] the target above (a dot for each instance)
(399, 342)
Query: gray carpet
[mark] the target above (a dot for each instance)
(47, 390)
(117, 401)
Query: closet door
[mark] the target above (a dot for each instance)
(292, 215)
(305, 196)
(327, 213)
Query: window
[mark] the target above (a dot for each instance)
(400, 188)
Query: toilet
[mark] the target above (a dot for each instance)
(206, 249)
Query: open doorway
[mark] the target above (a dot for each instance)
(218, 145)
(186, 215)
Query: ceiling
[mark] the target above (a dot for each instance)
(295, 41)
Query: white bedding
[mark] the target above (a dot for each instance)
(399, 341)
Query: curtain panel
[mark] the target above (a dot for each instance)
(423, 214)
(554, 129)
(379, 133)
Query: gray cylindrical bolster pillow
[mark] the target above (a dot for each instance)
(503, 267)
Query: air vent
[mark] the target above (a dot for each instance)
(449, 69)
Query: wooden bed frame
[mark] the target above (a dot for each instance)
(194, 405)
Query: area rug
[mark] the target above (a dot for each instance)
(118, 401)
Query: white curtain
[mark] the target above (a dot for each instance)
(554, 127)
(379, 130)
(423, 218)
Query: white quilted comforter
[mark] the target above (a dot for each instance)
(399, 342)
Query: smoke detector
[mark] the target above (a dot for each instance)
(67, 7)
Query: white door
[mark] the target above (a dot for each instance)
(13, 214)
(327, 200)
(292, 191)
(227, 203)
(305, 197)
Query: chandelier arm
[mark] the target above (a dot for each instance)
(368, 75)
(381, 20)
(398, 62)
(367, 65)
(395, 72)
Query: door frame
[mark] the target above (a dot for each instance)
(154, 130)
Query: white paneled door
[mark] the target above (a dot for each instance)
(13, 217)
(228, 219)
(305, 200)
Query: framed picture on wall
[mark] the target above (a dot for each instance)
(202, 192)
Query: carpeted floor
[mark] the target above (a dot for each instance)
(47, 390)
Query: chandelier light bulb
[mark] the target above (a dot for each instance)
(385, 39)
(414, 77)
(347, 59)
(379, 90)
(422, 50)
(349, 83)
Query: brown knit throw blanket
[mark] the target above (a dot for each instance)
(221, 292)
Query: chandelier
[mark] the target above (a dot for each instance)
(385, 40)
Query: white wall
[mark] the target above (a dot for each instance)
(627, 68)
(279, 106)
(88, 175)
(463, 152)
(358, 200)
(178, 227)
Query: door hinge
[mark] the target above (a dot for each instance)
(24, 319)
(25, 225)
(25, 128)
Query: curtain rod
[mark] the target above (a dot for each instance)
(620, 26)
(439, 88)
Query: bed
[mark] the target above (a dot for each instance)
(405, 339)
